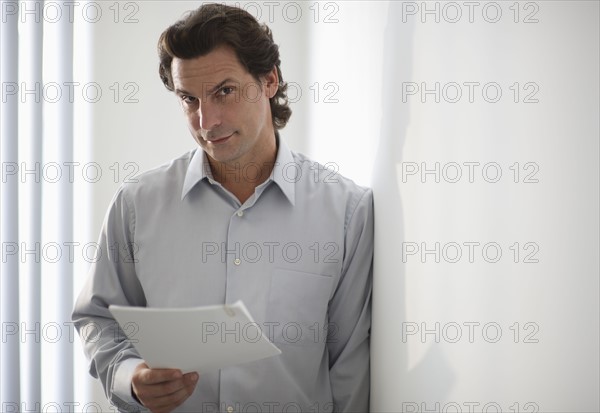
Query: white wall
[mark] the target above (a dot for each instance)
(553, 363)
(366, 58)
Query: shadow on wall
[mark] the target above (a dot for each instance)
(392, 384)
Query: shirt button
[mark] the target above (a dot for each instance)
(229, 409)
(240, 213)
(237, 261)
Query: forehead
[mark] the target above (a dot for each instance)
(214, 67)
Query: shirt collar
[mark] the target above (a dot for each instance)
(281, 170)
(199, 169)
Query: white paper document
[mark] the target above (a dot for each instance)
(194, 339)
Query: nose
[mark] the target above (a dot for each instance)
(209, 115)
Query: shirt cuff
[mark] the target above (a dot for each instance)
(122, 382)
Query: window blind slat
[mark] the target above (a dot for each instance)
(32, 31)
(60, 136)
(9, 217)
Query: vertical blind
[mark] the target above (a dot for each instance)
(36, 280)
(9, 215)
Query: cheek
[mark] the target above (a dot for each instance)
(251, 93)
(193, 120)
(253, 106)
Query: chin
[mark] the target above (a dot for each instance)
(220, 156)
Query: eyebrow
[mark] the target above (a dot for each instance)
(211, 90)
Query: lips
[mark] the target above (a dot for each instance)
(217, 141)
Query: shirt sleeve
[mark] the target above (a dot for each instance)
(350, 314)
(111, 280)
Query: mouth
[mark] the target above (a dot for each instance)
(219, 140)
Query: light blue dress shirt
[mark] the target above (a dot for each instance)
(298, 253)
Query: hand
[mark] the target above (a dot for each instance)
(162, 390)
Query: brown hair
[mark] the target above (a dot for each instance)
(212, 25)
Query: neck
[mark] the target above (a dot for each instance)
(241, 177)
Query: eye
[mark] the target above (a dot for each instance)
(225, 90)
(188, 99)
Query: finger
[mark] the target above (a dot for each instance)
(172, 400)
(190, 378)
(157, 376)
(169, 387)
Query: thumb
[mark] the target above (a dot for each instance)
(191, 378)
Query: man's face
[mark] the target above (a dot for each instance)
(227, 110)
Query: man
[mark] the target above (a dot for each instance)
(240, 218)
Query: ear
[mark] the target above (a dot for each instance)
(271, 83)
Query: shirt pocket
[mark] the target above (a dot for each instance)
(297, 307)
